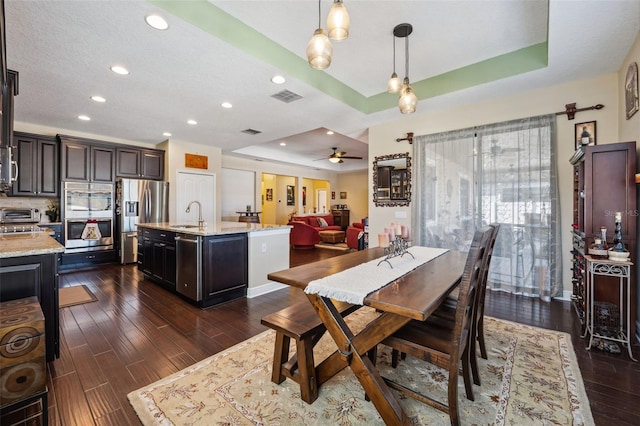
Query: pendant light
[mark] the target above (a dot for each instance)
(319, 49)
(338, 21)
(408, 101)
(394, 84)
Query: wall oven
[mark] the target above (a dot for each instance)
(88, 205)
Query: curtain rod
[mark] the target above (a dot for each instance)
(571, 110)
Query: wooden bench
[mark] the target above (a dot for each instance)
(302, 323)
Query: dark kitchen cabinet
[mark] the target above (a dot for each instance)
(37, 275)
(57, 231)
(87, 162)
(225, 273)
(157, 258)
(139, 163)
(38, 166)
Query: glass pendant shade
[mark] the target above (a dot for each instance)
(394, 84)
(408, 100)
(319, 50)
(335, 159)
(338, 21)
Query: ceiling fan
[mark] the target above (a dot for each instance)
(337, 157)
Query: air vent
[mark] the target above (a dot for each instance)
(286, 96)
(251, 131)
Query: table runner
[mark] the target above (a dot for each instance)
(354, 284)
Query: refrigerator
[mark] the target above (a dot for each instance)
(138, 201)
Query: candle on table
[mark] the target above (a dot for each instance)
(398, 229)
(404, 231)
(618, 216)
(391, 232)
(383, 240)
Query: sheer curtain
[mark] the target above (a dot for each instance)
(497, 173)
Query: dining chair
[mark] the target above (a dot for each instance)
(442, 342)
(448, 309)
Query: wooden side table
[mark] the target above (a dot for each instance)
(621, 270)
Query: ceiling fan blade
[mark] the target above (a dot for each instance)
(351, 158)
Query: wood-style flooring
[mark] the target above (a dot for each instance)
(138, 332)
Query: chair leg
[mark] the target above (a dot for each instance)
(468, 387)
(394, 357)
(483, 348)
(452, 396)
(473, 359)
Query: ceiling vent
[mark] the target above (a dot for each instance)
(251, 131)
(286, 96)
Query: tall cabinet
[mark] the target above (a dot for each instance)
(604, 183)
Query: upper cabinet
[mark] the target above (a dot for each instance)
(140, 163)
(85, 161)
(38, 164)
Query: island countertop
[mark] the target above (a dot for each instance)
(28, 244)
(219, 228)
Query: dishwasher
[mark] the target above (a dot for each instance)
(189, 258)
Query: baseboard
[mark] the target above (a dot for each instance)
(566, 295)
(264, 289)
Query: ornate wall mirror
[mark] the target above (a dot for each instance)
(392, 180)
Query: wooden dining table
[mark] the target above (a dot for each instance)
(414, 296)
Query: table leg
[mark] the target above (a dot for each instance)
(353, 350)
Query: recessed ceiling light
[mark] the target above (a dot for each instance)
(120, 70)
(84, 117)
(192, 122)
(226, 105)
(157, 22)
(167, 134)
(330, 132)
(98, 99)
(277, 79)
(283, 144)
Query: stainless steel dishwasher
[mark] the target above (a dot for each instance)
(189, 259)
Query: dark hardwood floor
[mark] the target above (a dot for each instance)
(137, 333)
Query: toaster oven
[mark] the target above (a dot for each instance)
(19, 215)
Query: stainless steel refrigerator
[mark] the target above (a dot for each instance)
(138, 201)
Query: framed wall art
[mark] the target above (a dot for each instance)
(631, 90)
(343, 195)
(291, 195)
(269, 194)
(585, 133)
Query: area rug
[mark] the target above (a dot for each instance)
(76, 295)
(330, 246)
(531, 377)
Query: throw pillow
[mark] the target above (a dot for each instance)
(322, 223)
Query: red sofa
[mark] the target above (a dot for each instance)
(305, 233)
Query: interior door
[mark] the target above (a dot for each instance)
(193, 186)
(321, 196)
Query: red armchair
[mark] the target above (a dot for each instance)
(303, 236)
(353, 232)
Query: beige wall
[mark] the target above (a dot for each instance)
(599, 90)
(355, 184)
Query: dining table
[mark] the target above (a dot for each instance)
(412, 296)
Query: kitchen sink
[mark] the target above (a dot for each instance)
(184, 226)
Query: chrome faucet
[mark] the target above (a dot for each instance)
(201, 222)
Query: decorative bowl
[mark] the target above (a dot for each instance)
(619, 256)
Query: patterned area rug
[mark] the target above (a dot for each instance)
(531, 377)
(331, 246)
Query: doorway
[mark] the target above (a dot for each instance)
(321, 196)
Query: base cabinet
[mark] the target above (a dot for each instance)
(37, 275)
(157, 256)
(225, 273)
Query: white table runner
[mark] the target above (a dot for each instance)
(354, 284)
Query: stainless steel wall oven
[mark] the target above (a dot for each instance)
(88, 205)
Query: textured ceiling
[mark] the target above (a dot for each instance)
(460, 51)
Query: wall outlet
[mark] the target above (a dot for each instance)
(264, 247)
(401, 215)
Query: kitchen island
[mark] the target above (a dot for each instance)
(214, 263)
(29, 267)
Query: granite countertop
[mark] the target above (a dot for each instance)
(28, 244)
(219, 228)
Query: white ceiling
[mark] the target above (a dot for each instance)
(63, 50)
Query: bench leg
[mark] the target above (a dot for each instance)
(280, 356)
(307, 371)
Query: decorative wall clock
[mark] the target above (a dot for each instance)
(631, 90)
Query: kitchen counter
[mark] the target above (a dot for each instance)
(28, 244)
(219, 228)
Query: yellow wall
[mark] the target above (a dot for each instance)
(355, 184)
